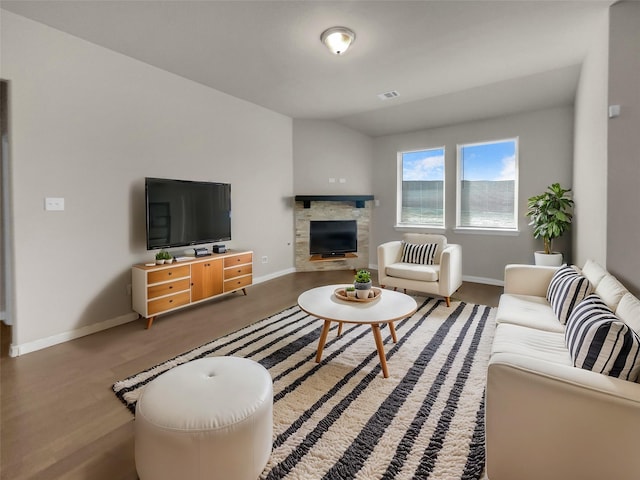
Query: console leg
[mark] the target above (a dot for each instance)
(244, 290)
(448, 300)
(150, 321)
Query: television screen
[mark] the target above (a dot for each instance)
(182, 212)
(333, 237)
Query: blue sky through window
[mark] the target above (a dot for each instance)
(423, 165)
(489, 161)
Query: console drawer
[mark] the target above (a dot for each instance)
(162, 289)
(238, 259)
(238, 271)
(167, 303)
(167, 274)
(237, 283)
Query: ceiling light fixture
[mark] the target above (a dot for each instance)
(338, 39)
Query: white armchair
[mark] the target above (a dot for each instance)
(442, 278)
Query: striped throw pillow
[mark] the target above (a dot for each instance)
(599, 341)
(422, 253)
(566, 289)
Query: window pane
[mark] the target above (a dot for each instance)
(487, 187)
(422, 187)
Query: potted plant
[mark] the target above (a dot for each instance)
(362, 283)
(550, 217)
(163, 257)
(160, 257)
(350, 291)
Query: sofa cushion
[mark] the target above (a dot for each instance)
(599, 341)
(528, 311)
(414, 271)
(594, 272)
(420, 253)
(530, 342)
(629, 311)
(566, 289)
(611, 291)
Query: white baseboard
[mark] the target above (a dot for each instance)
(271, 276)
(23, 348)
(486, 281)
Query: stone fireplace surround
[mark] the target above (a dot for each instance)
(332, 207)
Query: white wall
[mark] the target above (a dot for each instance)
(89, 124)
(545, 157)
(324, 150)
(590, 151)
(623, 194)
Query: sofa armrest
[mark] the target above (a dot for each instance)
(450, 269)
(388, 253)
(528, 279)
(553, 421)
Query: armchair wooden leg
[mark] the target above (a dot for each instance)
(448, 300)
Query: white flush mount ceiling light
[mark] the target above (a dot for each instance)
(338, 39)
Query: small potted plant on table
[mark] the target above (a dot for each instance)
(362, 283)
(350, 291)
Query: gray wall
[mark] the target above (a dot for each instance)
(545, 156)
(88, 124)
(590, 151)
(623, 180)
(324, 150)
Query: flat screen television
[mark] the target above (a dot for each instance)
(332, 238)
(183, 212)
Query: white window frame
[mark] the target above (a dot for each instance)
(459, 171)
(399, 177)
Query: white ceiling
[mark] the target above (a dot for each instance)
(451, 61)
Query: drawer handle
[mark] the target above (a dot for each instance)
(170, 301)
(169, 273)
(170, 287)
(239, 271)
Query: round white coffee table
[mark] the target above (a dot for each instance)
(321, 302)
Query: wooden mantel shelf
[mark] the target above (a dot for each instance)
(358, 199)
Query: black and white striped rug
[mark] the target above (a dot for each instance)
(341, 419)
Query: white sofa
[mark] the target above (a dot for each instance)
(442, 278)
(545, 418)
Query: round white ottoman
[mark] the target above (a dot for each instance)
(210, 418)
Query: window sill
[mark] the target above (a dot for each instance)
(418, 228)
(486, 231)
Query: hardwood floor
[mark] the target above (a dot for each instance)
(59, 417)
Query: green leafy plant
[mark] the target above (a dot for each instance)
(163, 255)
(363, 276)
(350, 288)
(550, 214)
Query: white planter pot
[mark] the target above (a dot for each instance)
(548, 259)
(363, 293)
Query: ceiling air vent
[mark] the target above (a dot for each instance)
(388, 95)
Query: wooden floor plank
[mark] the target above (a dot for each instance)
(59, 417)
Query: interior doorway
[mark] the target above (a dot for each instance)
(5, 240)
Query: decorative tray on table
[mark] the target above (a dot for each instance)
(342, 295)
